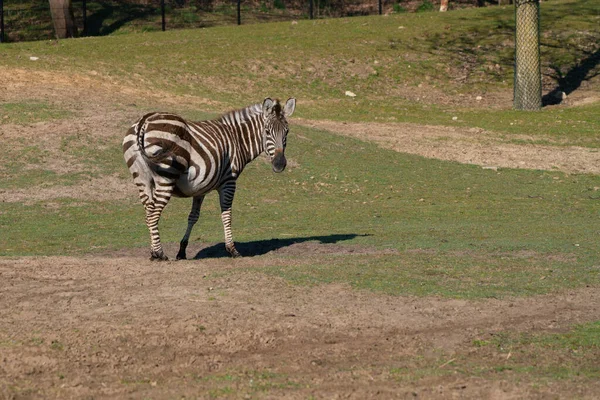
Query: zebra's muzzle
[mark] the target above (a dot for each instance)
(279, 162)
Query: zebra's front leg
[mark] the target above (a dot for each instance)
(161, 196)
(192, 219)
(226, 193)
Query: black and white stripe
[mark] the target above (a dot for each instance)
(169, 156)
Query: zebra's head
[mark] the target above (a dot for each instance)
(276, 130)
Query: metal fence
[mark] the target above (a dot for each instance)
(22, 20)
(32, 20)
(528, 77)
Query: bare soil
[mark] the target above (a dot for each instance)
(126, 327)
(468, 146)
(120, 326)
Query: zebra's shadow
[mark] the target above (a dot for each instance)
(260, 247)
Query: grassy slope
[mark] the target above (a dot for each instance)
(456, 56)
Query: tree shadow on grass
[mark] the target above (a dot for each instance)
(571, 81)
(109, 16)
(260, 247)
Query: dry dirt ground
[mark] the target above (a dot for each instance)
(126, 327)
(120, 326)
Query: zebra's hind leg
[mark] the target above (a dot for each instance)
(192, 219)
(161, 195)
(226, 193)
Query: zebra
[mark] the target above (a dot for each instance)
(170, 156)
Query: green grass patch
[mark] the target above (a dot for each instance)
(583, 338)
(67, 227)
(30, 112)
(447, 274)
(432, 227)
(533, 359)
(98, 154)
(577, 126)
(75, 158)
(548, 356)
(18, 176)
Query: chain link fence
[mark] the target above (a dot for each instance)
(26, 20)
(528, 77)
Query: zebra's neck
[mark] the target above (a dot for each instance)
(247, 125)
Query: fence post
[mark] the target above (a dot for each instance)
(311, 15)
(162, 12)
(528, 75)
(84, 18)
(239, 12)
(1, 21)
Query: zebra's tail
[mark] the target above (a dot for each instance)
(140, 131)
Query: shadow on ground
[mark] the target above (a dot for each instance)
(260, 247)
(108, 16)
(572, 80)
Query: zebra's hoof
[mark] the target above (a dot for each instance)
(233, 251)
(158, 257)
(182, 249)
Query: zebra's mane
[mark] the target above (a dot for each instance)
(243, 114)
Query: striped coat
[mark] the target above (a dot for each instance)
(169, 156)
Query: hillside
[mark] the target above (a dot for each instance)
(451, 68)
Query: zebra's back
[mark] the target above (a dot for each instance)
(196, 156)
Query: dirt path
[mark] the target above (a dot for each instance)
(467, 146)
(120, 327)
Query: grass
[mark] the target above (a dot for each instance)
(381, 59)
(542, 357)
(436, 227)
(30, 112)
(536, 360)
(583, 338)
(567, 126)
(16, 178)
(454, 230)
(442, 273)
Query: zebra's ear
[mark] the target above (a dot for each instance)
(290, 106)
(268, 105)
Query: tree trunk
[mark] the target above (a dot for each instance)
(443, 5)
(528, 76)
(63, 19)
